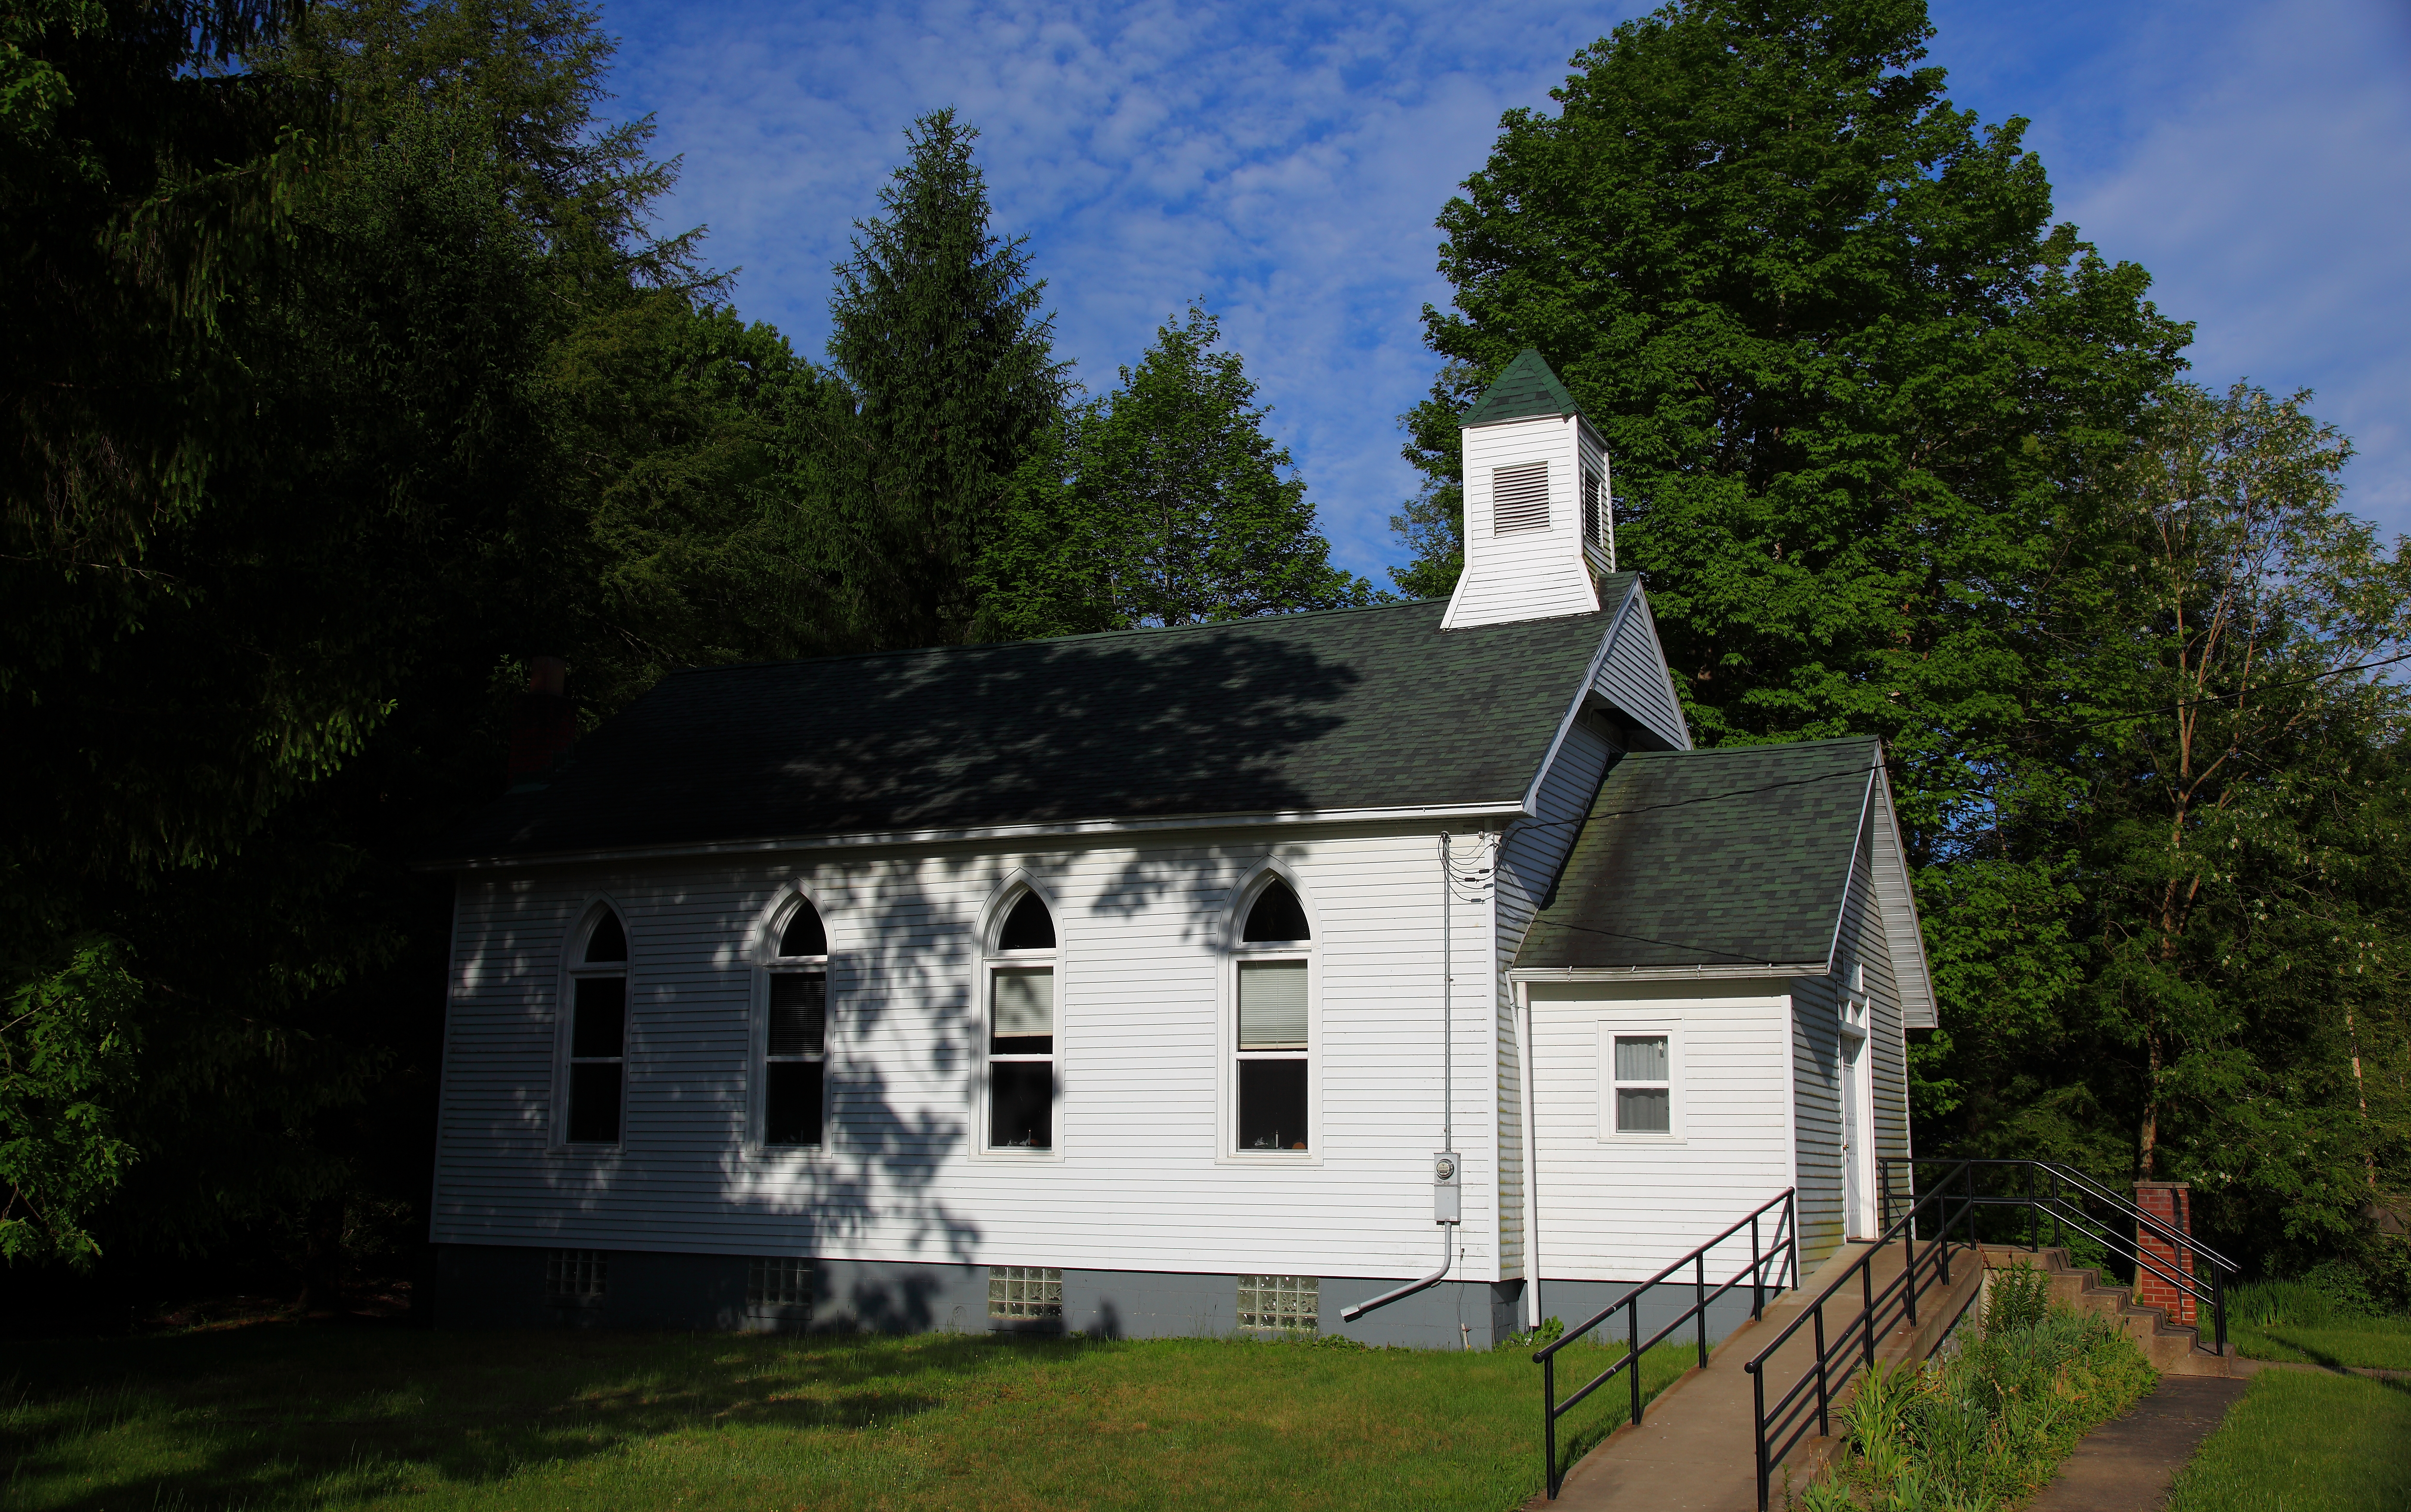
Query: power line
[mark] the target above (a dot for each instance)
(1855, 771)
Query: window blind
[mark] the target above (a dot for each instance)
(1519, 497)
(1640, 1059)
(1025, 1002)
(798, 1013)
(1594, 522)
(1272, 1005)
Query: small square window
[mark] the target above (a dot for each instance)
(1286, 1303)
(578, 1277)
(1020, 1291)
(778, 1282)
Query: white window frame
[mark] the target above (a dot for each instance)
(1610, 1030)
(994, 959)
(1235, 953)
(769, 963)
(574, 969)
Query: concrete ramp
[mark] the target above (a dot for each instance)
(1695, 1447)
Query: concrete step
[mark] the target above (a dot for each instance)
(2174, 1348)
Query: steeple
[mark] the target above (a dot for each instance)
(1537, 529)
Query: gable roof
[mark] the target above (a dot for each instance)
(1525, 388)
(1737, 857)
(1347, 710)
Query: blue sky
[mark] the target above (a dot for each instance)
(1285, 163)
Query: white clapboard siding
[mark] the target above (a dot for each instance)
(1521, 575)
(1140, 1179)
(1633, 676)
(1529, 859)
(1619, 1208)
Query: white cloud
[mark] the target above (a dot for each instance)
(2258, 160)
(1286, 163)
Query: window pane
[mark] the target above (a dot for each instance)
(1028, 927)
(609, 942)
(1272, 1005)
(594, 1103)
(1278, 915)
(1640, 1059)
(798, 1013)
(1021, 1105)
(1025, 1002)
(790, 1103)
(1272, 1105)
(1644, 1109)
(804, 935)
(602, 1017)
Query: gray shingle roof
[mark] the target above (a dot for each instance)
(1366, 708)
(1525, 388)
(1732, 857)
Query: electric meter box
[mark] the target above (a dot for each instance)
(1448, 1181)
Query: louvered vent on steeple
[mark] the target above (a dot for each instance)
(1519, 497)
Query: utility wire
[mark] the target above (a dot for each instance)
(1859, 771)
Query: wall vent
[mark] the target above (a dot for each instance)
(1519, 497)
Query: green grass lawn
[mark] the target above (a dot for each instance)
(2285, 1320)
(278, 1415)
(2303, 1441)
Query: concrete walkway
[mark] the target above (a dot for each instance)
(1693, 1449)
(2126, 1464)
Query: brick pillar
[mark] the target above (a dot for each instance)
(2171, 1203)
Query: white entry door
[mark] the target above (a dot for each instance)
(1858, 1132)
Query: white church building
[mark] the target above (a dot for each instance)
(1134, 983)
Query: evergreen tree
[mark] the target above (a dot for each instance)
(1171, 507)
(950, 387)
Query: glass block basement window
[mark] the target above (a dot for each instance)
(778, 1282)
(1291, 1303)
(1025, 1291)
(576, 1275)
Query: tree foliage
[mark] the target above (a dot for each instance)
(1164, 503)
(950, 385)
(1901, 455)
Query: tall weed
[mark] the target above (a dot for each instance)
(1981, 1429)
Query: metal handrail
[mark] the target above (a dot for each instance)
(1861, 1333)
(1786, 1245)
(1898, 1297)
(2181, 1276)
(2064, 1173)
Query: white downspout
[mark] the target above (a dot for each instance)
(1531, 1156)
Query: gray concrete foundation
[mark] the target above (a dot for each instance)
(493, 1286)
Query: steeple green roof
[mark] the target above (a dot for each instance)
(1525, 390)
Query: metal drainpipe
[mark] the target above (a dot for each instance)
(1447, 996)
(1531, 1156)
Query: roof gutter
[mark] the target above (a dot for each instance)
(1073, 829)
(1664, 973)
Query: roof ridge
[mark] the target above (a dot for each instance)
(1764, 746)
(1057, 640)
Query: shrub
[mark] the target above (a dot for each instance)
(1978, 1431)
